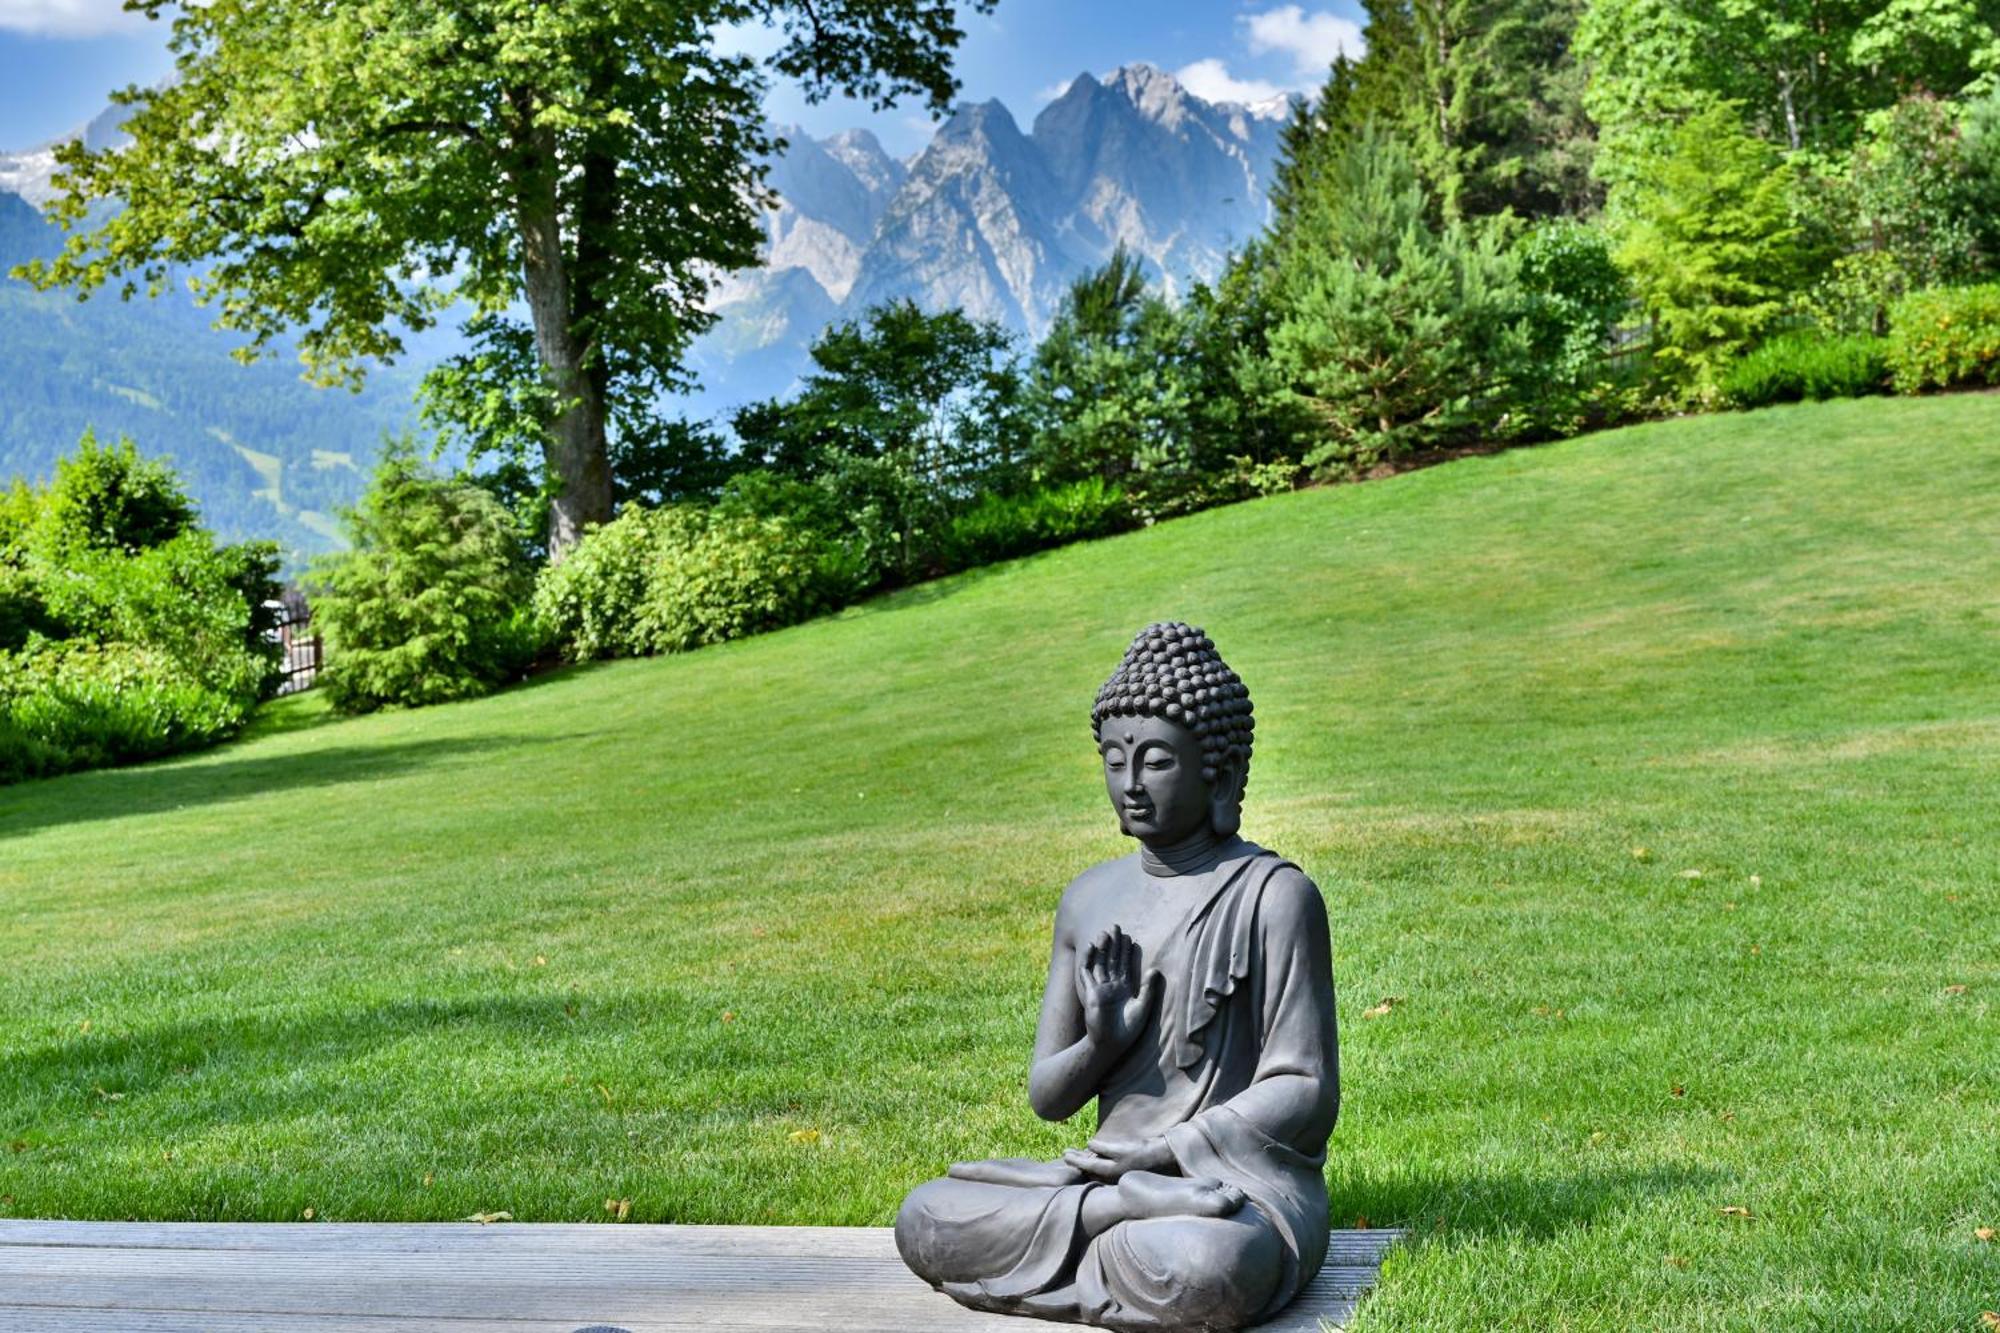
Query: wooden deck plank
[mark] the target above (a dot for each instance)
(583, 1238)
(367, 1278)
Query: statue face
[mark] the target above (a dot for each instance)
(1152, 770)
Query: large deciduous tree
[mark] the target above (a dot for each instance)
(1803, 72)
(349, 168)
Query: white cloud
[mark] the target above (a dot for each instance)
(1053, 91)
(1311, 40)
(67, 18)
(1211, 81)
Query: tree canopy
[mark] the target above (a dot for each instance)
(350, 168)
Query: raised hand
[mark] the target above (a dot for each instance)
(1114, 996)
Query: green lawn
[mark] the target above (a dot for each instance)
(1655, 773)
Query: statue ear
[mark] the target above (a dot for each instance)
(1225, 801)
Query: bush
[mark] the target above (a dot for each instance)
(199, 604)
(74, 704)
(108, 498)
(666, 580)
(1808, 366)
(431, 602)
(858, 540)
(22, 611)
(1573, 295)
(589, 603)
(719, 577)
(998, 527)
(1946, 338)
(125, 631)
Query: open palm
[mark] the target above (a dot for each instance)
(1115, 993)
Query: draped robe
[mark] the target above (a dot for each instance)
(1238, 1068)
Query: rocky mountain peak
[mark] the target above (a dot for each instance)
(994, 220)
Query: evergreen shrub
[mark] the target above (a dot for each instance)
(1389, 329)
(430, 604)
(1946, 338)
(1808, 366)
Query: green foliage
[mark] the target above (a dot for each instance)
(1946, 339)
(1109, 389)
(935, 394)
(350, 171)
(1486, 94)
(1915, 208)
(904, 418)
(588, 604)
(1389, 328)
(1575, 294)
(998, 527)
(431, 602)
(125, 631)
(670, 579)
(1572, 296)
(1240, 417)
(1499, 125)
(76, 703)
(721, 576)
(198, 604)
(108, 498)
(1808, 366)
(20, 504)
(1711, 244)
(23, 613)
(1164, 400)
(1803, 75)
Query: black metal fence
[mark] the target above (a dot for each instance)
(302, 652)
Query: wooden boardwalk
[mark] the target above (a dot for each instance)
(192, 1277)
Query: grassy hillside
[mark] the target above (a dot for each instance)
(1654, 772)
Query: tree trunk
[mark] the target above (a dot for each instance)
(578, 458)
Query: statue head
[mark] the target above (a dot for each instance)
(1174, 728)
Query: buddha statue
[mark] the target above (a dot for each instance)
(1190, 992)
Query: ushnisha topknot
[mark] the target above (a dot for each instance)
(1173, 671)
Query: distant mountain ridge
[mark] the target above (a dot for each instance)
(992, 220)
(985, 217)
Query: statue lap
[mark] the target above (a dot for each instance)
(1157, 1272)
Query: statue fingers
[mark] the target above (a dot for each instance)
(1092, 1164)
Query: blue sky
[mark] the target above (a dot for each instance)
(58, 58)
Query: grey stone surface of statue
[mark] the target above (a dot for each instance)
(1190, 992)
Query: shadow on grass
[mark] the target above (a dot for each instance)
(147, 789)
(1460, 1207)
(270, 1066)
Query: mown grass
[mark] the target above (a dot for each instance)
(1654, 772)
